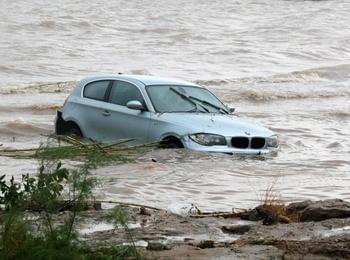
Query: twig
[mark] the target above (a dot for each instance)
(125, 203)
(217, 215)
(118, 143)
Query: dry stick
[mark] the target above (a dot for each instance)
(136, 146)
(125, 203)
(112, 148)
(74, 140)
(118, 143)
(77, 141)
(223, 214)
(99, 147)
(17, 150)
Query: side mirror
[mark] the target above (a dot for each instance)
(231, 109)
(135, 104)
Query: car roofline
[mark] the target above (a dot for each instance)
(143, 79)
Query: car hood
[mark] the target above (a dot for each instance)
(222, 124)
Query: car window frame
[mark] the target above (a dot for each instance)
(109, 90)
(106, 92)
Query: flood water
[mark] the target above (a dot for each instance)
(282, 64)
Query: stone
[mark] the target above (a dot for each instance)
(236, 229)
(157, 246)
(206, 244)
(320, 210)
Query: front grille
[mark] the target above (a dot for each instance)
(246, 142)
(240, 142)
(257, 143)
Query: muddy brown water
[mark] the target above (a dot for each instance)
(313, 162)
(284, 65)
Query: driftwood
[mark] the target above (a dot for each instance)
(217, 214)
(262, 212)
(127, 204)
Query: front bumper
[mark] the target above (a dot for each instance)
(190, 144)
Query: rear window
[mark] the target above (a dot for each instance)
(96, 90)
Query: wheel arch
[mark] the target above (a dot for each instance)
(62, 125)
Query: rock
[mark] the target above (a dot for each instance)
(206, 244)
(252, 215)
(298, 206)
(320, 210)
(144, 211)
(270, 220)
(97, 206)
(269, 214)
(236, 229)
(157, 246)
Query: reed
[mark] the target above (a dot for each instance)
(66, 147)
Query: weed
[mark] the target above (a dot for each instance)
(48, 239)
(120, 220)
(272, 207)
(92, 155)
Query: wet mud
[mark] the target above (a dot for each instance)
(165, 235)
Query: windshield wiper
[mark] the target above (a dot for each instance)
(189, 99)
(208, 103)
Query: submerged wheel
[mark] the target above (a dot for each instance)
(73, 130)
(171, 142)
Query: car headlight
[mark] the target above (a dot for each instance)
(208, 139)
(272, 141)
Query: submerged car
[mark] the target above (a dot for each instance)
(176, 113)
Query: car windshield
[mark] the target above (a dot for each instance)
(184, 99)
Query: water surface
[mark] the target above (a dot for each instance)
(282, 64)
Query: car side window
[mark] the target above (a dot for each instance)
(123, 92)
(96, 90)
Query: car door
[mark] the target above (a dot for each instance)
(92, 107)
(122, 122)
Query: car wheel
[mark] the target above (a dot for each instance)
(171, 143)
(73, 131)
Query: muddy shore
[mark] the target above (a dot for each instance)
(164, 235)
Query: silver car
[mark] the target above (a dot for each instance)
(176, 113)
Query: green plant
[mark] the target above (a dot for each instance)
(120, 219)
(54, 189)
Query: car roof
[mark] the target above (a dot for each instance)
(144, 79)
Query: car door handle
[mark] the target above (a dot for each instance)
(106, 113)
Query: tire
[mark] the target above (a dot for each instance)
(73, 131)
(171, 143)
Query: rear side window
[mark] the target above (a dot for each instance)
(123, 92)
(96, 90)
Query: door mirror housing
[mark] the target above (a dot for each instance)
(231, 109)
(136, 105)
